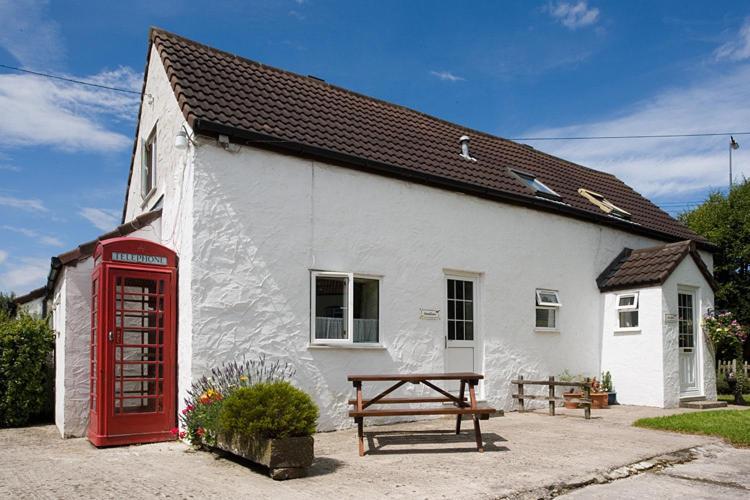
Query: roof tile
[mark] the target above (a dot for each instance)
(229, 91)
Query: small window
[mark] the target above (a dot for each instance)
(547, 309)
(148, 164)
(539, 188)
(627, 310)
(604, 204)
(346, 308)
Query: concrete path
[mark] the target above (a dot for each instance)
(528, 455)
(716, 472)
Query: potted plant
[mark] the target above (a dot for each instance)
(572, 395)
(599, 397)
(270, 424)
(609, 388)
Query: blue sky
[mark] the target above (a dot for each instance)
(516, 69)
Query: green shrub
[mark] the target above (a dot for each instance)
(25, 345)
(269, 410)
(722, 386)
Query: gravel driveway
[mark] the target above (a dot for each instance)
(528, 455)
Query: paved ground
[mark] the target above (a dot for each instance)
(528, 455)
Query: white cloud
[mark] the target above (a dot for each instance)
(667, 167)
(9, 168)
(27, 34)
(739, 49)
(24, 274)
(30, 204)
(103, 218)
(447, 76)
(66, 115)
(3, 256)
(574, 15)
(30, 233)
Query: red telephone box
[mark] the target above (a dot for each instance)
(133, 343)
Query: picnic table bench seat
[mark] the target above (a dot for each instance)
(460, 405)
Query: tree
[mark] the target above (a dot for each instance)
(725, 221)
(7, 305)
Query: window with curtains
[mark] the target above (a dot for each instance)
(345, 308)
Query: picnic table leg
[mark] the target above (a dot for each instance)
(477, 430)
(360, 420)
(461, 398)
(361, 435)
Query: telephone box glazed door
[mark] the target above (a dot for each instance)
(135, 344)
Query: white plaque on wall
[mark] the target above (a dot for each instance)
(429, 313)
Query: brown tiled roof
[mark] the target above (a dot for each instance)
(649, 266)
(221, 93)
(34, 294)
(87, 249)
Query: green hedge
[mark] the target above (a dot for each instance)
(269, 410)
(25, 345)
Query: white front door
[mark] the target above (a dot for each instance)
(687, 344)
(460, 326)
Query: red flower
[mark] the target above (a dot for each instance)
(182, 434)
(175, 431)
(200, 431)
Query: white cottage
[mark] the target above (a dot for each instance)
(350, 235)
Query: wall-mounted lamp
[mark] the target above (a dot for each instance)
(182, 139)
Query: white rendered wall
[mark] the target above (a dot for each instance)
(33, 307)
(687, 275)
(71, 319)
(58, 309)
(72, 322)
(263, 220)
(174, 180)
(634, 357)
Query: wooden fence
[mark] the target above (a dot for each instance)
(581, 402)
(725, 367)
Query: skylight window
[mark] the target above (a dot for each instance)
(604, 204)
(539, 188)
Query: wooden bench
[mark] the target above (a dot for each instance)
(551, 383)
(461, 406)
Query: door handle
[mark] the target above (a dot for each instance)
(110, 336)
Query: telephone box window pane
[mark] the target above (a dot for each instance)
(330, 307)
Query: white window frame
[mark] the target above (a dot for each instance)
(604, 204)
(349, 340)
(543, 304)
(635, 306)
(546, 192)
(150, 139)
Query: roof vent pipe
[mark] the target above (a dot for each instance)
(464, 141)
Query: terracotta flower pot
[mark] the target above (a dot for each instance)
(571, 398)
(599, 400)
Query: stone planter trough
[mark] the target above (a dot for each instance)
(286, 458)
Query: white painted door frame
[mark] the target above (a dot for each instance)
(456, 356)
(689, 349)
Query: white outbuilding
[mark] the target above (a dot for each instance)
(345, 234)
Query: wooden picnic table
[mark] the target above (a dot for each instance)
(460, 405)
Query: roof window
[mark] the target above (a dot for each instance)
(604, 204)
(539, 188)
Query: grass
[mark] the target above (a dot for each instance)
(732, 425)
(729, 398)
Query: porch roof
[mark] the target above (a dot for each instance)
(650, 266)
